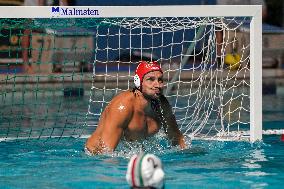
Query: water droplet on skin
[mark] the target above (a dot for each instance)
(121, 107)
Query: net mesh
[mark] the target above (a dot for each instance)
(57, 75)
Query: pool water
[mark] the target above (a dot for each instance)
(61, 163)
(207, 164)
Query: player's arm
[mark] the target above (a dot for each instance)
(116, 119)
(173, 131)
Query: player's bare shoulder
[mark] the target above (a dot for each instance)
(123, 101)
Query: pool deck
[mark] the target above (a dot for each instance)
(33, 82)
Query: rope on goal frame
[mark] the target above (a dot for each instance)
(264, 132)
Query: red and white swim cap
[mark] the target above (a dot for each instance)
(144, 68)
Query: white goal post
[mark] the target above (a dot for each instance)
(214, 84)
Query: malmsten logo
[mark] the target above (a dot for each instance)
(55, 9)
(63, 11)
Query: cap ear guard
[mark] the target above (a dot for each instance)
(142, 69)
(136, 81)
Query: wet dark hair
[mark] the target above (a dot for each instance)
(134, 89)
(156, 107)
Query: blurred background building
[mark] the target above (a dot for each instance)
(19, 59)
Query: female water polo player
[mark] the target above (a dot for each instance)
(136, 114)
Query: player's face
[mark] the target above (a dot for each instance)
(152, 84)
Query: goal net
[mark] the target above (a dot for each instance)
(60, 67)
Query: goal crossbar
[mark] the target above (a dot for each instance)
(253, 65)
